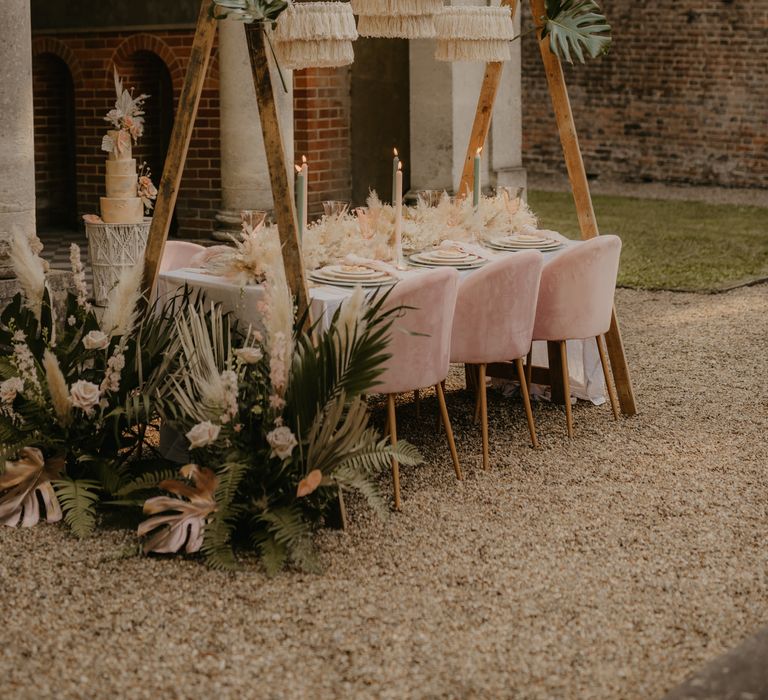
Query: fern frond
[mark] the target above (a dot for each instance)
(273, 555)
(78, 499)
(290, 530)
(217, 546)
(145, 482)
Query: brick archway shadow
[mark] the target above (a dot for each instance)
(146, 42)
(48, 44)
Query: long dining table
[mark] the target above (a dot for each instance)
(586, 376)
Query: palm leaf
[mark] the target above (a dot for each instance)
(78, 499)
(576, 26)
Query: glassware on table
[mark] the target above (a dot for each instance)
(334, 207)
(512, 197)
(431, 197)
(252, 219)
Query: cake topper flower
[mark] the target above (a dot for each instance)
(127, 118)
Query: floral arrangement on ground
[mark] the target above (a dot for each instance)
(276, 423)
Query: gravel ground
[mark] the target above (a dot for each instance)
(609, 567)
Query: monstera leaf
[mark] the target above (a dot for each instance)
(184, 524)
(576, 26)
(20, 485)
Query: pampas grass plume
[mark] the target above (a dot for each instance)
(30, 270)
(57, 388)
(121, 312)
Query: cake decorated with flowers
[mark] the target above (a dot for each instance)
(129, 189)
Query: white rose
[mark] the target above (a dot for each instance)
(282, 441)
(84, 395)
(203, 434)
(9, 388)
(249, 356)
(96, 340)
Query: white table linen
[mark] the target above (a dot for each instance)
(586, 374)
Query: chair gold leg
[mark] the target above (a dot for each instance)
(484, 416)
(529, 366)
(477, 393)
(526, 402)
(566, 387)
(448, 431)
(392, 424)
(608, 378)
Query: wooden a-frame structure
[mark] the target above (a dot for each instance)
(285, 213)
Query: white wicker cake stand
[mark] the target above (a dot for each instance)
(112, 248)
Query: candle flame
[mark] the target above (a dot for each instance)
(396, 153)
(298, 168)
(304, 160)
(400, 165)
(479, 150)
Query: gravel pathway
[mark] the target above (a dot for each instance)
(609, 567)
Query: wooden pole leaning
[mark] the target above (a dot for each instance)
(581, 195)
(483, 114)
(285, 211)
(186, 112)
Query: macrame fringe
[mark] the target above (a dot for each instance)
(397, 27)
(296, 55)
(475, 23)
(315, 21)
(485, 51)
(396, 8)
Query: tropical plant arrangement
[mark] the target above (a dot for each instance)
(578, 26)
(73, 415)
(276, 425)
(276, 421)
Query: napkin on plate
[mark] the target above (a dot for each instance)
(469, 248)
(380, 265)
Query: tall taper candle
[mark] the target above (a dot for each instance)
(476, 189)
(395, 165)
(301, 188)
(305, 208)
(399, 214)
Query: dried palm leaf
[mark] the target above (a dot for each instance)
(184, 527)
(22, 482)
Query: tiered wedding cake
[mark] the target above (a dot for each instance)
(128, 191)
(122, 205)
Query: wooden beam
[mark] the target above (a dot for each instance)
(186, 112)
(282, 191)
(483, 114)
(581, 196)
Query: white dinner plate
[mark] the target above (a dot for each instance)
(387, 281)
(426, 259)
(467, 266)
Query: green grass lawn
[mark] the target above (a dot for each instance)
(671, 244)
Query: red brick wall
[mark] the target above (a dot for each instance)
(89, 57)
(54, 150)
(322, 111)
(682, 97)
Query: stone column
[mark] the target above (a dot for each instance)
(17, 149)
(245, 180)
(443, 103)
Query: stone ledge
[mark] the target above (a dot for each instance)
(59, 282)
(740, 674)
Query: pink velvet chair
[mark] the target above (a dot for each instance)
(179, 254)
(493, 322)
(576, 302)
(421, 348)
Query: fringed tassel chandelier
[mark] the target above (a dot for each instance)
(397, 19)
(315, 35)
(474, 34)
